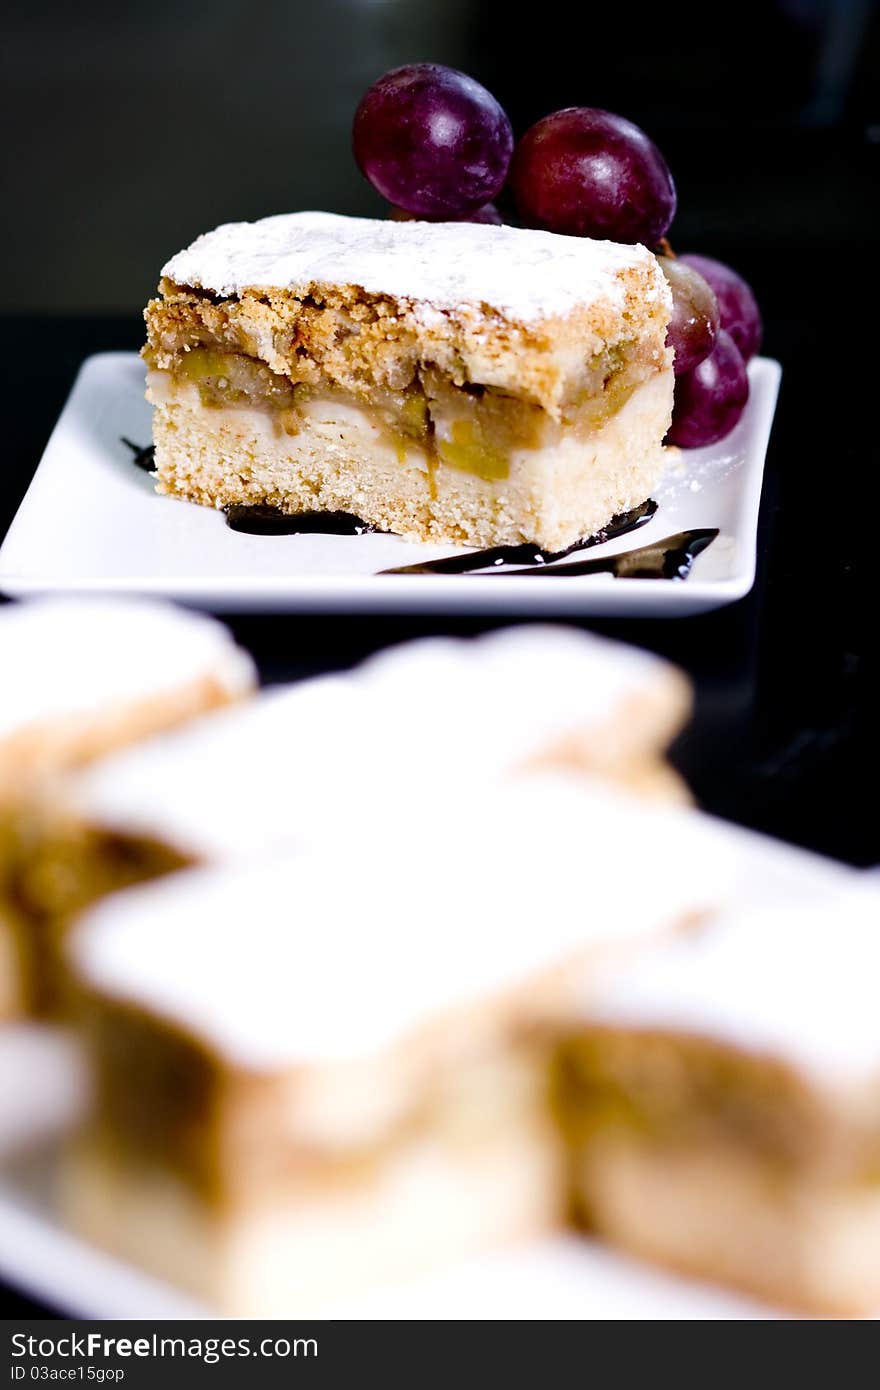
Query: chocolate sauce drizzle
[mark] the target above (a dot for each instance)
(269, 521)
(669, 558)
(144, 454)
(527, 554)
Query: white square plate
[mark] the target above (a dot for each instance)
(566, 1277)
(91, 521)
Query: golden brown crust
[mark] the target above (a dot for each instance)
(357, 340)
(43, 750)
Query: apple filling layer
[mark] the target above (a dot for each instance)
(662, 1094)
(46, 883)
(166, 1101)
(472, 428)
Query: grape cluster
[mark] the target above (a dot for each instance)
(439, 147)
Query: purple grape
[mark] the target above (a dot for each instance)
(591, 173)
(737, 305)
(710, 399)
(694, 321)
(488, 214)
(432, 141)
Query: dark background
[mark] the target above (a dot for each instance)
(127, 130)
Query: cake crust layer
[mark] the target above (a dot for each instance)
(365, 303)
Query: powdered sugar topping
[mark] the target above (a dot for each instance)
(797, 983)
(515, 272)
(409, 721)
(68, 658)
(341, 954)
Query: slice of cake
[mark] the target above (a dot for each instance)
(332, 1070)
(323, 758)
(82, 678)
(723, 1101)
(449, 382)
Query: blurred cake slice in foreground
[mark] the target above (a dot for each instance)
(449, 382)
(82, 678)
(323, 759)
(723, 1103)
(330, 1071)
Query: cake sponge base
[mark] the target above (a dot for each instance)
(339, 460)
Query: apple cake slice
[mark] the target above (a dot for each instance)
(448, 382)
(83, 678)
(321, 758)
(723, 1106)
(318, 1073)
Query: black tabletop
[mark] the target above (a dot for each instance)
(780, 738)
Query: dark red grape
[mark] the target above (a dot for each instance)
(694, 321)
(488, 215)
(591, 173)
(432, 141)
(710, 399)
(737, 305)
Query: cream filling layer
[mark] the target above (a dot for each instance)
(472, 428)
(554, 492)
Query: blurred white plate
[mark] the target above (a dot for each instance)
(91, 521)
(566, 1277)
